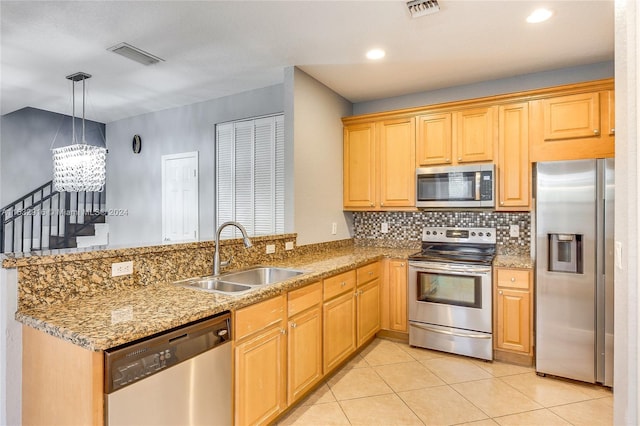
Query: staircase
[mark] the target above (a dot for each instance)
(46, 219)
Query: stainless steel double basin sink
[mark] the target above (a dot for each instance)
(240, 282)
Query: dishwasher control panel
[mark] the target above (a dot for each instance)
(132, 362)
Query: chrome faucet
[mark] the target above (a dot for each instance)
(216, 256)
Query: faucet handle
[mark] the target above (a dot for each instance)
(226, 262)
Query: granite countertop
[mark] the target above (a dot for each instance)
(115, 318)
(513, 261)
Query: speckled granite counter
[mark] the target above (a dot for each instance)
(512, 261)
(111, 319)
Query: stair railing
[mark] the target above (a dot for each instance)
(44, 213)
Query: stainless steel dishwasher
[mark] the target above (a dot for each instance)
(181, 377)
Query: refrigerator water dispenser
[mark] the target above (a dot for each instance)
(565, 253)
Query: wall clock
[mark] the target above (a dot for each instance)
(136, 144)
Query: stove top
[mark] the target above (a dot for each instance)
(457, 245)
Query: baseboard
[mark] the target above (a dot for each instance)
(393, 335)
(526, 360)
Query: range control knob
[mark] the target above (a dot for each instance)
(473, 234)
(488, 234)
(480, 234)
(428, 232)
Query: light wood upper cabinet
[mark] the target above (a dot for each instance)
(434, 139)
(571, 117)
(304, 350)
(260, 362)
(475, 134)
(379, 165)
(397, 163)
(514, 168)
(514, 311)
(359, 158)
(394, 296)
(572, 127)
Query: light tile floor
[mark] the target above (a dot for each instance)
(391, 383)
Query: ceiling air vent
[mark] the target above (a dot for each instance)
(135, 54)
(418, 8)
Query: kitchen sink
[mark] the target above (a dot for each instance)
(236, 283)
(261, 275)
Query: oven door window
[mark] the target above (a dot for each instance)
(459, 290)
(453, 186)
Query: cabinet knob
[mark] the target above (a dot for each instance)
(596, 131)
(343, 283)
(370, 272)
(371, 204)
(613, 131)
(294, 325)
(500, 292)
(502, 203)
(447, 160)
(513, 279)
(283, 331)
(381, 204)
(459, 158)
(402, 264)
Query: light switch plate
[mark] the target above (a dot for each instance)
(384, 228)
(288, 245)
(514, 231)
(334, 228)
(122, 268)
(271, 248)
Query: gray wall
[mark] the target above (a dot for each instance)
(134, 180)
(27, 135)
(317, 160)
(488, 88)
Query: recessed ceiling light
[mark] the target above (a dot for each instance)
(539, 15)
(375, 54)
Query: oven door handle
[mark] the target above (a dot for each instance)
(451, 333)
(453, 268)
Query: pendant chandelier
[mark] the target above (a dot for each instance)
(79, 167)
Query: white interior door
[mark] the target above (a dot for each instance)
(180, 197)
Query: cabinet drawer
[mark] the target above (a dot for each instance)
(513, 278)
(339, 284)
(259, 316)
(368, 272)
(304, 298)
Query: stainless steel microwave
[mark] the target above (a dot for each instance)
(468, 186)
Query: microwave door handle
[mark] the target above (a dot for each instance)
(478, 180)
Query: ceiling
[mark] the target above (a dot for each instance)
(217, 48)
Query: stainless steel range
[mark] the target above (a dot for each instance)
(450, 294)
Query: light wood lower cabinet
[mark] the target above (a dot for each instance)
(61, 383)
(339, 334)
(304, 350)
(394, 296)
(368, 310)
(260, 362)
(513, 315)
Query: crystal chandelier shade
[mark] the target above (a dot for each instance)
(79, 167)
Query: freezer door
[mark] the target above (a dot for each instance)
(565, 299)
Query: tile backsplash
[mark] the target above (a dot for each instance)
(405, 228)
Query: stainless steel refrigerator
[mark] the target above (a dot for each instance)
(574, 269)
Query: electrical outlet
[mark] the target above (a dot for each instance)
(334, 228)
(384, 228)
(288, 245)
(271, 248)
(514, 231)
(122, 268)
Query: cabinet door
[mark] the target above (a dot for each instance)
(571, 117)
(260, 382)
(397, 282)
(339, 330)
(514, 176)
(368, 317)
(433, 143)
(475, 134)
(359, 166)
(514, 320)
(397, 163)
(304, 352)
